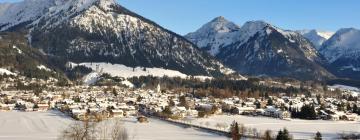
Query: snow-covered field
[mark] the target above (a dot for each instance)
(32, 125)
(5, 71)
(344, 87)
(48, 125)
(300, 129)
(128, 72)
(160, 130)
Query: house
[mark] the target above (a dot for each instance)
(334, 117)
(179, 111)
(243, 110)
(43, 107)
(277, 113)
(192, 113)
(117, 113)
(282, 114)
(350, 117)
(270, 111)
(78, 113)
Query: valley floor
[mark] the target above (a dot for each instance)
(300, 129)
(48, 125)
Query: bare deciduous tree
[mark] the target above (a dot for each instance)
(118, 131)
(86, 130)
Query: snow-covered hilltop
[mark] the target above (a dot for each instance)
(259, 48)
(104, 31)
(316, 37)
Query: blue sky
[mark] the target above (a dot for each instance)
(183, 16)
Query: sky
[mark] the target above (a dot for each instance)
(184, 16)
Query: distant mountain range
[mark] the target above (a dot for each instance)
(260, 49)
(316, 37)
(342, 51)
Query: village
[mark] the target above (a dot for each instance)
(119, 101)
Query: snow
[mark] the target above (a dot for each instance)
(127, 72)
(217, 33)
(91, 78)
(18, 50)
(159, 130)
(316, 37)
(127, 83)
(325, 34)
(42, 67)
(300, 129)
(48, 125)
(343, 44)
(12, 14)
(102, 16)
(221, 33)
(32, 125)
(344, 87)
(353, 68)
(7, 72)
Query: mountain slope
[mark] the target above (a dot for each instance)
(316, 37)
(342, 51)
(14, 15)
(16, 56)
(263, 49)
(103, 31)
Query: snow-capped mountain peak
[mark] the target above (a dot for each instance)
(217, 33)
(220, 25)
(344, 43)
(325, 34)
(316, 37)
(342, 51)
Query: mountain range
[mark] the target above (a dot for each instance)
(260, 49)
(103, 31)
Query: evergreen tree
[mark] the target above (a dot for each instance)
(307, 112)
(280, 135)
(318, 136)
(36, 106)
(348, 107)
(114, 92)
(270, 102)
(283, 135)
(286, 134)
(355, 109)
(267, 135)
(184, 102)
(235, 131)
